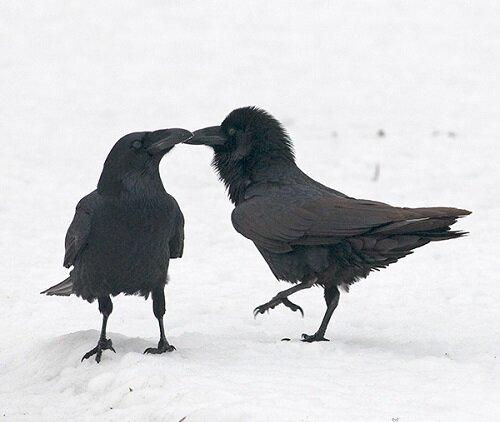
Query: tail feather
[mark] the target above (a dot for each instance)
(441, 212)
(64, 288)
(434, 224)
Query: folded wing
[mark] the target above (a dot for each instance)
(79, 229)
(279, 225)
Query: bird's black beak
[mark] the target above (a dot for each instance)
(163, 140)
(211, 136)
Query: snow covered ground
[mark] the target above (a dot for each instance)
(418, 341)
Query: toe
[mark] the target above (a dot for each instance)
(289, 304)
(157, 351)
(298, 308)
(89, 354)
(110, 347)
(257, 311)
(310, 339)
(306, 337)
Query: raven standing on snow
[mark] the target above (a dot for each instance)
(308, 233)
(124, 233)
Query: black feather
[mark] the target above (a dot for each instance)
(64, 288)
(124, 233)
(309, 233)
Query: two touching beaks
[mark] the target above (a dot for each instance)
(212, 135)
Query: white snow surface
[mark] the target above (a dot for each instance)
(418, 341)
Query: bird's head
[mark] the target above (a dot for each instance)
(137, 155)
(247, 133)
(247, 146)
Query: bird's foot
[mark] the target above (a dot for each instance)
(163, 346)
(315, 337)
(103, 344)
(275, 301)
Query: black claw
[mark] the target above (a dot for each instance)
(97, 351)
(275, 302)
(90, 353)
(311, 339)
(260, 310)
(289, 304)
(162, 348)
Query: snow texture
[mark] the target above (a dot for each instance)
(389, 100)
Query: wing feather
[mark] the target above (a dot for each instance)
(176, 243)
(79, 229)
(278, 224)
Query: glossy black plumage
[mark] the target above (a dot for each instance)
(124, 233)
(309, 233)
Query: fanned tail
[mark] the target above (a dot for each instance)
(64, 288)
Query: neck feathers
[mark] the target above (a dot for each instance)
(133, 184)
(256, 167)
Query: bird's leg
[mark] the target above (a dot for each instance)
(159, 311)
(332, 296)
(105, 307)
(282, 297)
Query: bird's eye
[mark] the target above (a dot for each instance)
(137, 144)
(231, 131)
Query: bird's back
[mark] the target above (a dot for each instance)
(306, 230)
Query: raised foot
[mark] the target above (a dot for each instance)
(163, 346)
(311, 339)
(275, 301)
(103, 344)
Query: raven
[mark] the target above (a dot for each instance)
(124, 232)
(308, 233)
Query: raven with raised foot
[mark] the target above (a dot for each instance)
(308, 233)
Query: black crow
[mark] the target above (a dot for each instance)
(124, 233)
(308, 233)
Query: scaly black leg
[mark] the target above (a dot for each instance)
(105, 307)
(282, 297)
(159, 311)
(332, 296)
